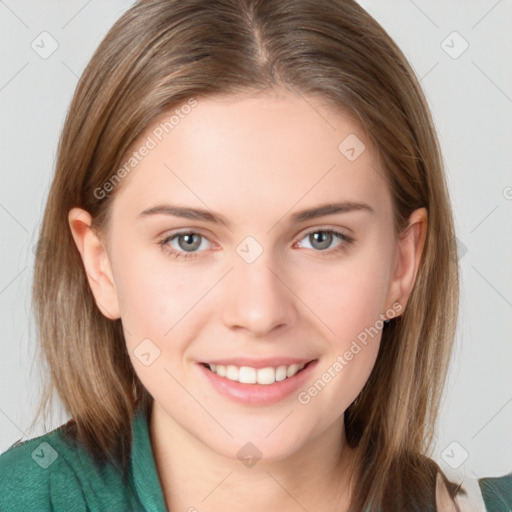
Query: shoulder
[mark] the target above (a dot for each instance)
(53, 472)
(497, 493)
(56, 473)
(468, 497)
(31, 471)
(476, 495)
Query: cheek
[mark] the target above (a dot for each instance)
(349, 297)
(157, 300)
(154, 293)
(166, 302)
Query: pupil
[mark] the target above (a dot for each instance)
(189, 241)
(321, 237)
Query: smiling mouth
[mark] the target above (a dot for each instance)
(248, 375)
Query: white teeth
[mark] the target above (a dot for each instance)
(266, 376)
(281, 373)
(232, 372)
(292, 370)
(248, 375)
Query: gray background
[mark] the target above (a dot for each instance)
(470, 94)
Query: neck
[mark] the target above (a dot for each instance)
(194, 477)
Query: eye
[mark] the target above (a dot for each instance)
(185, 246)
(322, 239)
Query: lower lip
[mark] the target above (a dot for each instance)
(258, 394)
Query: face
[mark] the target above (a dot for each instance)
(254, 282)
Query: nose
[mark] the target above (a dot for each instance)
(258, 298)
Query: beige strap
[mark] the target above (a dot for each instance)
(472, 502)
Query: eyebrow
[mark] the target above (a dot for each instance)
(215, 218)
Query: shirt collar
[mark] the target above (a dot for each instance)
(143, 467)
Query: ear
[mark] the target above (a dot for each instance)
(96, 262)
(409, 250)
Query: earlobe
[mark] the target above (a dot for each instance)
(409, 252)
(96, 262)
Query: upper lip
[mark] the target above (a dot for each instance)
(259, 363)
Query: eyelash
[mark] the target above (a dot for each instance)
(345, 241)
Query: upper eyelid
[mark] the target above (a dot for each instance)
(339, 230)
(300, 236)
(200, 231)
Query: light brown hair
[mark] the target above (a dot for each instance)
(158, 55)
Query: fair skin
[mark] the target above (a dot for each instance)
(255, 160)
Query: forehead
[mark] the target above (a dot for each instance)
(242, 155)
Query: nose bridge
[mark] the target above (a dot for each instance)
(257, 298)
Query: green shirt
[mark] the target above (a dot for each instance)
(48, 474)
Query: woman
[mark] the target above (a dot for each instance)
(216, 350)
